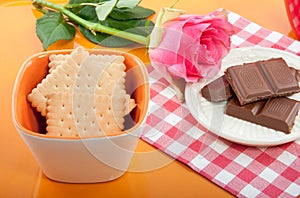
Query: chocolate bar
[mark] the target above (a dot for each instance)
(220, 90)
(276, 113)
(261, 80)
(217, 90)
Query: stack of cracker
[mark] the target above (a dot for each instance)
(83, 95)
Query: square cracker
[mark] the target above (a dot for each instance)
(68, 118)
(105, 80)
(60, 80)
(78, 55)
(77, 80)
(62, 77)
(84, 115)
(101, 77)
(56, 60)
(91, 106)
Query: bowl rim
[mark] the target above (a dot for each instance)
(22, 69)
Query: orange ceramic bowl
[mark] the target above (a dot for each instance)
(78, 160)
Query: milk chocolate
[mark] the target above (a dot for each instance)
(217, 90)
(220, 90)
(276, 113)
(261, 80)
(295, 73)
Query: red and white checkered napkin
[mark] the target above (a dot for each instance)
(244, 171)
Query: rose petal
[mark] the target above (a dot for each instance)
(192, 46)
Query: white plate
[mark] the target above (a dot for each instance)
(211, 115)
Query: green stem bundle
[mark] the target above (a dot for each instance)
(94, 27)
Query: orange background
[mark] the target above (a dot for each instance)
(20, 175)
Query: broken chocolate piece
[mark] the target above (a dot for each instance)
(276, 113)
(218, 90)
(261, 80)
(295, 73)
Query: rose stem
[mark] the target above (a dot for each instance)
(90, 25)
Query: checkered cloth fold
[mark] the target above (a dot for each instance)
(243, 171)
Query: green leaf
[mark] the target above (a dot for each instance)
(127, 3)
(88, 12)
(140, 27)
(105, 40)
(103, 10)
(52, 27)
(84, 11)
(136, 26)
(84, 1)
(133, 13)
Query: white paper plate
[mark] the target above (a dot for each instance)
(211, 114)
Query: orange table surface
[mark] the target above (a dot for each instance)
(20, 176)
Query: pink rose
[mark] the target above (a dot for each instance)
(191, 47)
